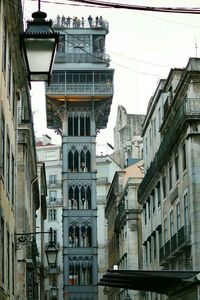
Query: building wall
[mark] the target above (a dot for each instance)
(106, 168)
(14, 90)
(169, 191)
(50, 154)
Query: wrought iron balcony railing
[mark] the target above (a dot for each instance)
(55, 201)
(188, 109)
(78, 88)
(56, 183)
(101, 57)
(177, 243)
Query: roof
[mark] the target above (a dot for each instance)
(162, 282)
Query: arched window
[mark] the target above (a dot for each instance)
(89, 236)
(76, 205)
(76, 161)
(76, 125)
(70, 126)
(82, 126)
(87, 126)
(88, 161)
(70, 197)
(70, 161)
(88, 193)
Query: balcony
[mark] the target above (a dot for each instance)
(82, 24)
(189, 109)
(178, 242)
(83, 58)
(55, 201)
(78, 88)
(55, 184)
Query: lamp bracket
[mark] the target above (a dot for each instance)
(22, 239)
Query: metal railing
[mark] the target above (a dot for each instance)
(55, 201)
(76, 23)
(177, 242)
(56, 183)
(82, 58)
(78, 88)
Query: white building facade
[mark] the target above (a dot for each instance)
(50, 154)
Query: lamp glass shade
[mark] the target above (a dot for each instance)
(54, 291)
(40, 53)
(39, 44)
(51, 254)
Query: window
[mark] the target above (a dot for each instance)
(9, 75)
(149, 208)
(154, 245)
(178, 216)
(4, 49)
(13, 268)
(186, 210)
(171, 223)
(150, 250)
(170, 176)
(3, 143)
(165, 231)
(13, 179)
(8, 164)
(154, 127)
(2, 251)
(184, 157)
(159, 117)
(164, 186)
(8, 260)
(158, 193)
(150, 137)
(177, 167)
(146, 253)
(52, 216)
(145, 214)
(153, 201)
(52, 196)
(52, 179)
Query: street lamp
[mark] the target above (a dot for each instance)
(39, 44)
(51, 251)
(54, 290)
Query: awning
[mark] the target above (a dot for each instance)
(162, 282)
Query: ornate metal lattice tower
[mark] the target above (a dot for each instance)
(78, 104)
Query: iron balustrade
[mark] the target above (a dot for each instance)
(56, 183)
(184, 236)
(81, 24)
(101, 57)
(177, 242)
(78, 88)
(174, 242)
(55, 201)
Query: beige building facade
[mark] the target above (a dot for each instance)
(169, 192)
(18, 173)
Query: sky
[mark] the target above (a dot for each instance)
(143, 47)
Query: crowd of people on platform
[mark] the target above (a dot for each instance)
(75, 22)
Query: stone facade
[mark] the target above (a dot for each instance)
(18, 188)
(169, 192)
(127, 137)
